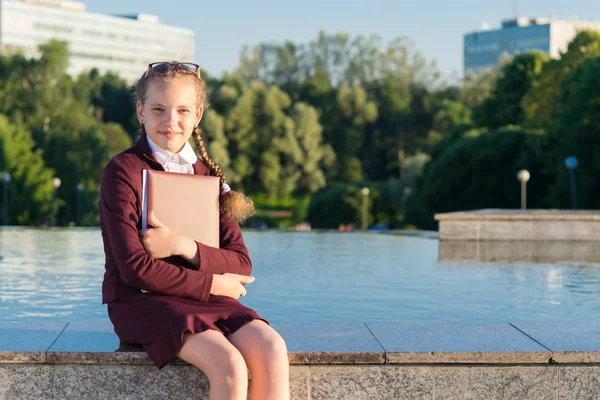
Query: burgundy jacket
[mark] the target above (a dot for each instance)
(129, 268)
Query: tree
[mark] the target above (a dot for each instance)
(475, 88)
(30, 188)
(576, 132)
(355, 112)
(480, 171)
(275, 147)
(315, 155)
(449, 115)
(503, 107)
(540, 102)
(72, 139)
(213, 127)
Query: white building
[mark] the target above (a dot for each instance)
(124, 45)
(483, 49)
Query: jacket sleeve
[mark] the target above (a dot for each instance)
(232, 256)
(119, 217)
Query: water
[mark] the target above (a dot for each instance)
(56, 275)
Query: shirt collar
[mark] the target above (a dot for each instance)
(187, 153)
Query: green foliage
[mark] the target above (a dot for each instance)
(480, 172)
(577, 133)
(476, 88)
(275, 146)
(278, 211)
(539, 103)
(68, 135)
(503, 107)
(302, 128)
(342, 204)
(30, 187)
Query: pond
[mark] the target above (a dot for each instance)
(311, 278)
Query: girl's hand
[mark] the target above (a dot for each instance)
(231, 285)
(159, 241)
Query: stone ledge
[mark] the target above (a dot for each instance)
(517, 225)
(516, 214)
(331, 361)
(536, 251)
(332, 344)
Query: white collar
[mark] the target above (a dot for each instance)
(187, 153)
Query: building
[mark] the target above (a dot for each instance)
(483, 49)
(124, 45)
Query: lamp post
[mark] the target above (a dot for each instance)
(56, 184)
(523, 176)
(79, 188)
(571, 163)
(365, 208)
(5, 180)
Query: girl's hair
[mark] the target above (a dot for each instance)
(233, 205)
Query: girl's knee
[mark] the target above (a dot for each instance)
(273, 347)
(230, 365)
(276, 344)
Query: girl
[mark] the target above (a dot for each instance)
(169, 294)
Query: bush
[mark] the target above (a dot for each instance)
(481, 172)
(342, 204)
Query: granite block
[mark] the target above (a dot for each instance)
(27, 342)
(76, 382)
(443, 343)
(299, 376)
(569, 342)
(330, 344)
(566, 230)
(465, 230)
(510, 224)
(371, 382)
(579, 383)
(25, 382)
(489, 383)
(145, 382)
(505, 230)
(538, 251)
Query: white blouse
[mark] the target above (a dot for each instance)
(174, 162)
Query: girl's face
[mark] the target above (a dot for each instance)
(170, 113)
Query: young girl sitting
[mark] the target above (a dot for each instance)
(167, 293)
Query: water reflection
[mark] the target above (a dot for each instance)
(308, 277)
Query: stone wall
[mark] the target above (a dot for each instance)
(333, 361)
(517, 225)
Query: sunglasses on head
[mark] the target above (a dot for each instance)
(164, 67)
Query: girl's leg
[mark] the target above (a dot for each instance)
(220, 361)
(266, 355)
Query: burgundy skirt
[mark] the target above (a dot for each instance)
(157, 322)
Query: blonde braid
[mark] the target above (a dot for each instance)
(234, 205)
(213, 166)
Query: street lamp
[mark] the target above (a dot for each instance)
(523, 176)
(79, 188)
(365, 207)
(571, 163)
(56, 184)
(5, 180)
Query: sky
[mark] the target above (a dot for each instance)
(436, 28)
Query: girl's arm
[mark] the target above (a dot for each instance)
(118, 214)
(232, 256)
